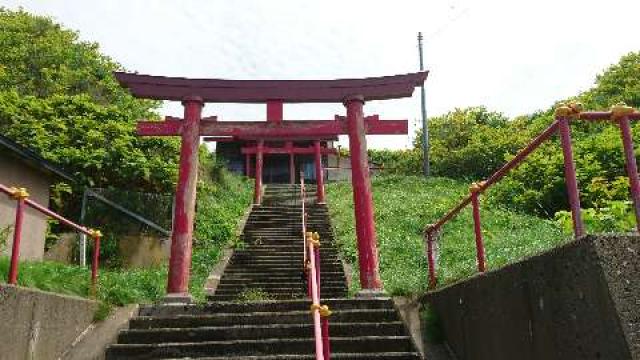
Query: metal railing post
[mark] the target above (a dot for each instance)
(431, 261)
(96, 235)
(477, 226)
(20, 195)
(83, 236)
(563, 113)
(620, 113)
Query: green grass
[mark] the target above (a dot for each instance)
(220, 206)
(405, 204)
(116, 287)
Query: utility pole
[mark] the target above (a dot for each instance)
(425, 125)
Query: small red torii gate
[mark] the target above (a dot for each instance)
(317, 150)
(193, 93)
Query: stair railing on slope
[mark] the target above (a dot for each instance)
(21, 196)
(620, 114)
(320, 313)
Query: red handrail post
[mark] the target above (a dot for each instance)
(620, 113)
(477, 226)
(97, 235)
(326, 344)
(316, 254)
(20, 195)
(431, 260)
(562, 115)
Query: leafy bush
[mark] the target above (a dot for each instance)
(58, 96)
(614, 216)
(472, 143)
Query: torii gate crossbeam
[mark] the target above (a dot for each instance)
(193, 93)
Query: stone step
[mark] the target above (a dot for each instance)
(363, 344)
(281, 248)
(275, 297)
(275, 261)
(326, 280)
(338, 356)
(260, 306)
(261, 318)
(233, 283)
(298, 291)
(248, 332)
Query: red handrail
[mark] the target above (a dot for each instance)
(619, 113)
(319, 312)
(22, 199)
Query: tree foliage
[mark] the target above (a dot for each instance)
(58, 96)
(472, 143)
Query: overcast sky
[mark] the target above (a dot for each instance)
(511, 56)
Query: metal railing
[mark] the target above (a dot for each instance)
(21, 196)
(564, 115)
(320, 313)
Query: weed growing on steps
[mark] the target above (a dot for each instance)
(249, 295)
(405, 204)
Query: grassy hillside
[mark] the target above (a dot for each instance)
(221, 204)
(405, 204)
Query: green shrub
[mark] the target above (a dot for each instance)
(613, 216)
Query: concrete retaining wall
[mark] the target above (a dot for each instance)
(34, 227)
(36, 325)
(579, 301)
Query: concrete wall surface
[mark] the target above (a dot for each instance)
(578, 301)
(16, 173)
(37, 325)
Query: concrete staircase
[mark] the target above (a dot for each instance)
(259, 310)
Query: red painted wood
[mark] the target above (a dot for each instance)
(570, 178)
(261, 91)
(632, 167)
(219, 139)
(17, 238)
(159, 128)
(283, 150)
(257, 192)
(319, 172)
(292, 163)
(362, 196)
(185, 202)
(274, 111)
(289, 129)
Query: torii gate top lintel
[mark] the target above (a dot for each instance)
(261, 91)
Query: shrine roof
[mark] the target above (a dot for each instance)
(260, 91)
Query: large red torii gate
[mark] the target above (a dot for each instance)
(193, 93)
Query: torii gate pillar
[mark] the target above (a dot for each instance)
(362, 196)
(185, 206)
(257, 193)
(319, 173)
(247, 165)
(292, 163)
